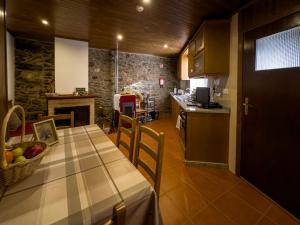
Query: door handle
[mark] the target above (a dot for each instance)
(246, 106)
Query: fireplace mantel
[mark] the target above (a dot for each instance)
(63, 101)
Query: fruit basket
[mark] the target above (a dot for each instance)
(22, 167)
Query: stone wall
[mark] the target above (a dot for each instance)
(35, 76)
(34, 73)
(101, 82)
(139, 71)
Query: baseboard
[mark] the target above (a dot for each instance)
(206, 164)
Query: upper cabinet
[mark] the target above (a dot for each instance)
(208, 50)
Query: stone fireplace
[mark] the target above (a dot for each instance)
(81, 105)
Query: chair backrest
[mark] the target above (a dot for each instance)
(156, 155)
(58, 118)
(127, 126)
(119, 215)
(128, 104)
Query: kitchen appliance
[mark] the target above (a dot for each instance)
(203, 95)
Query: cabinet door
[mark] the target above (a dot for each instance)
(199, 42)
(192, 48)
(191, 65)
(199, 63)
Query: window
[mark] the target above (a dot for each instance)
(277, 51)
(201, 82)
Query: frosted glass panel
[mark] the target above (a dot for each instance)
(280, 50)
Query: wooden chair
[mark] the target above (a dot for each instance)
(139, 111)
(58, 118)
(126, 121)
(119, 215)
(157, 156)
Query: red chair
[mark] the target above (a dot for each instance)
(127, 105)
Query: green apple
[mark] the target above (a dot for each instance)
(20, 159)
(18, 152)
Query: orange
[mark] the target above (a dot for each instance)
(9, 156)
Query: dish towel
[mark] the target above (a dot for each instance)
(178, 122)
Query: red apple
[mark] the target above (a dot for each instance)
(33, 151)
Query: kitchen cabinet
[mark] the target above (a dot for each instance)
(183, 66)
(206, 135)
(209, 49)
(207, 138)
(175, 110)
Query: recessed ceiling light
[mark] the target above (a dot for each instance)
(119, 37)
(45, 22)
(146, 1)
(139, 8)
(166, 46)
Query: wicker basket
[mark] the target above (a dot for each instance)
(12, 173)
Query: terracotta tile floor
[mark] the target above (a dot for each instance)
(207, 196)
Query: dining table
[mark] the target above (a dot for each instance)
(79, 181)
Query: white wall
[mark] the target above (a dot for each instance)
(10, 61)
(232, 85)
(71, 65)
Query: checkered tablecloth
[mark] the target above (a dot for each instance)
(78, 182)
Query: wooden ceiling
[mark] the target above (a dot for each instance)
(98, 21)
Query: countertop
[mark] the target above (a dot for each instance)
(186, 108)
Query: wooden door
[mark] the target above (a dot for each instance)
(270, 155)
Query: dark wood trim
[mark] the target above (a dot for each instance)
(239, 98)
(3, 75)
(264, 12)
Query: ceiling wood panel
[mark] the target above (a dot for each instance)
(97, 21)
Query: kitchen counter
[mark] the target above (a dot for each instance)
(203, 133)
(186, 108)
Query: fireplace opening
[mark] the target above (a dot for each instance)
(81, 115)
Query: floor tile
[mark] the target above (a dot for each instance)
(208, 188)
(237, 209)
(279, 216)
(170, 214)
(251, 196)
(211, 216)
(188, 223)
(265, 221)
(169, 182)
(187, 200)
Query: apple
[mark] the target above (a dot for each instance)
(18, 152)
(33, 151)
(9, 156)
(20, 159)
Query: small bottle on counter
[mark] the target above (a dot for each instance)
(175, 90)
